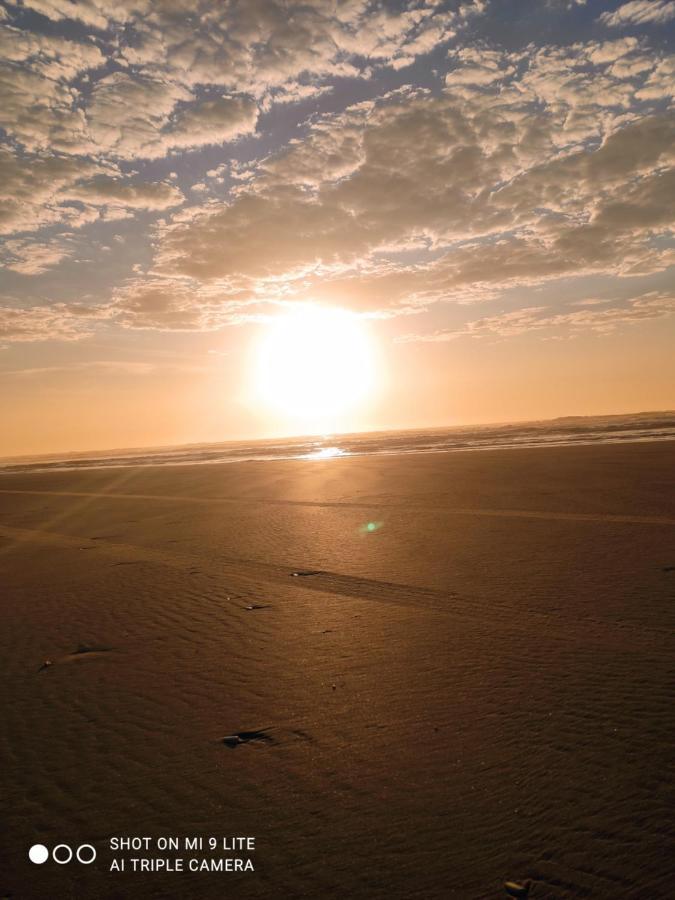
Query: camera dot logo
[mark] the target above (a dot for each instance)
(62, 854)
(38, 854)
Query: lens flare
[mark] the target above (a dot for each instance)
(370, 527)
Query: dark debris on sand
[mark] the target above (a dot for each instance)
(90, 648)
(80, 650)
(258, 736)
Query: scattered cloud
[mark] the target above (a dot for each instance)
(104, 190)
(194, 74)
(104, 366)
(57, 321)
(34, 191)
(601, 317)
(497, 169)
(33, 257)
(41, 192)
(169, 304)
(453, 179)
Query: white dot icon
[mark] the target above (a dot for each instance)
(38, 854)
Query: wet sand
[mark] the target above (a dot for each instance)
(476, 690)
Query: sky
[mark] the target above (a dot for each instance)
(486, 186)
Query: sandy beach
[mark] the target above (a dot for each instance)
(467, 681)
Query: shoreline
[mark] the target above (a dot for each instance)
(347, 454)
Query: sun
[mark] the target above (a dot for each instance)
(314, 363)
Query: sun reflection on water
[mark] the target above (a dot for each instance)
(325, 453)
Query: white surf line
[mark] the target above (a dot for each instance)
(606, 518)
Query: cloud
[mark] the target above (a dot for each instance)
(94, 13)
(640, 12)
(29, 257)
(126, 115)
(145, 80)
(49, 56)
(659, 84)
(36, 111)
(295, 93)
(57, 321)
(520, 166)
(105, 190)
(601, 317)
(175, 305)
(650, 204)
(578, 184)
(255, 45)
(212, 122)
(39, 108)
(478, 66)
(184, 75)
(32, 191)
(141, 304)
(104, 366)
(610, 51)
(40, 191)
(405, 172)
(457, 180)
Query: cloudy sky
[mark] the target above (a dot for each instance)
(488, 184)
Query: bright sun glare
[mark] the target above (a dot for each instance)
(315, 363)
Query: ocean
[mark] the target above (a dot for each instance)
(556, 432)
